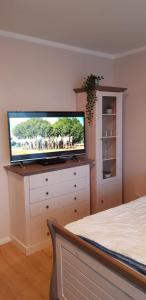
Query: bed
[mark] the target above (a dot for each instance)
(102, 256)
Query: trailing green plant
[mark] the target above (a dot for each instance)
(89, 84)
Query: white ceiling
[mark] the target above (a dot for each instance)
(108, 26)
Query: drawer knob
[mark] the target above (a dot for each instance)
(75, 198)
(75, 210)
(46, 179)
(47, 206)
(102, 201)
(47, 193)
(48, 233)
(75, 173)
(75, 185)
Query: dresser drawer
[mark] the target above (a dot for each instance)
(73, 213)
(44, 207)
(50, 178)
(63, 215)
(39, 222)
(59, 189)
(40, 235)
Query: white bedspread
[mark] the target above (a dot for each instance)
(121, 229)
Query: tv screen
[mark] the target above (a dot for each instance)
(40, 135)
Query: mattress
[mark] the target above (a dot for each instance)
(120, 232)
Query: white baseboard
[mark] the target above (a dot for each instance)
(19, 244)
(38, 247)
(5, 240)
(27, 250)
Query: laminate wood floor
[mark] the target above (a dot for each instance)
(24, 277)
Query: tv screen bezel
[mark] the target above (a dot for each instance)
(36, 157)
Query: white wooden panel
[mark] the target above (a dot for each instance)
(78, 278)
(18, 208)
(110, 193)
(58, 189)
(68, 294)
(44, 179)
(99, 285)
(74, 289)
(119, 136)
(105, 283)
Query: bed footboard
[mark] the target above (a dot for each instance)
(82, 272)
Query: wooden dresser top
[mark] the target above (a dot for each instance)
(34, 168)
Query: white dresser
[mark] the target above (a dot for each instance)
(39, 193)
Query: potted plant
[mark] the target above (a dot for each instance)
(89, 84)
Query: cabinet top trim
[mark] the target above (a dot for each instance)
(103, 88)
(32, 169)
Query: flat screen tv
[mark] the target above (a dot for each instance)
(43, 135)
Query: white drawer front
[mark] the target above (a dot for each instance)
(39, 235)
(44, 207)
(59, 189)
(50, 178)
(63, 215)
(76, 212)
(39, 222)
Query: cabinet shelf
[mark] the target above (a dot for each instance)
(109, 178)
(110, 158)
(108, 137)
(108, 114)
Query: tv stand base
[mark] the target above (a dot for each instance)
(50, 161)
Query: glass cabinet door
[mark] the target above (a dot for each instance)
(109, 136)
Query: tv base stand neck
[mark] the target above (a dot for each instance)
(20, 164)
(75, 158)
(50, 161)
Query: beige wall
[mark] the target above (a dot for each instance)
(36, 77)
(130, 72)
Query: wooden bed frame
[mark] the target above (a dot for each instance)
(83, 272)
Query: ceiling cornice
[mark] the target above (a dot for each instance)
(39, 41)
(34, 40)
(130, 52)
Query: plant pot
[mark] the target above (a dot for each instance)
(107, 175)
(109, 111)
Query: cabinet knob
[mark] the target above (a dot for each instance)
(75, 185)
(75, 210)
(47, 193)
(47, 206)
(75, 198)
(48, 233)
(75, 173)
(46, 179)
(102, 201)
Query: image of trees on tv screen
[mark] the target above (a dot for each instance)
(39, 135)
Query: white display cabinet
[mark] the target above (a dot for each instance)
(104, 146)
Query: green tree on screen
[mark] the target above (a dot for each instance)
(32, 128)
(63, 127)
